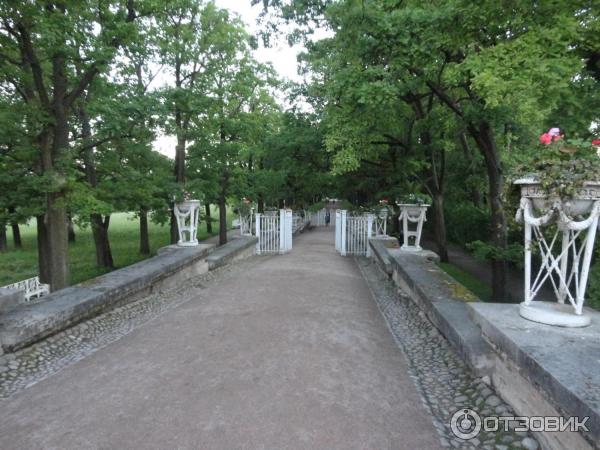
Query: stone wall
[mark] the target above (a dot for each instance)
(538, 369)
(171, 267)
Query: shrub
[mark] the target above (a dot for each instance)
(466, 223)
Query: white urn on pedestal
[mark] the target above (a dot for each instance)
(187, 213)
(412, 216)
(565, 251)
(381, 222)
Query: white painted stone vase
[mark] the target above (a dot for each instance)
(566, 251)
(412, 217)
(187, 213)
(381, 222)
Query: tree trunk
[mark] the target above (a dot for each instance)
(439, 225)
(208, 218)
(100, 232)
(485, 141)
(3, 241)
(174, 231)
(144, 235)
(475, 194)
(261, 204)
(16, 232)
(16, 235)
(71, 228)
(42, 244)
(58, 242)
(179, 172)
(222, 220)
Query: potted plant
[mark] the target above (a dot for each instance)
(413, 208)
(560, 207)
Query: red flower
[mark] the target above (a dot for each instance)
(596, 142)
(546, 139)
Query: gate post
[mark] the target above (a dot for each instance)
(338, 230)
(370, 218)
(343, 232)
(258, 233)
(289, 220)
(285, 230)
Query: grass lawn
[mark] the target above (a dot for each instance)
(475, 285)
(17, 265)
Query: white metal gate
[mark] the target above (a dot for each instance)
(317, 218)
(274, 232)
(352, 233)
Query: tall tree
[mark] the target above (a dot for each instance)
(40, 41)
(234, 89)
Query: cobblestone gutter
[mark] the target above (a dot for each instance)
(445, 382)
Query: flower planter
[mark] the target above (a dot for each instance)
(412, 213)
(187, 213)
(381, 222)
(565, 256)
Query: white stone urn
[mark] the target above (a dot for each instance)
(187, 213)
(412, 214)
(565, 250)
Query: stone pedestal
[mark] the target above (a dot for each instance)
(563, 232)
(187, 214)
(412, 214)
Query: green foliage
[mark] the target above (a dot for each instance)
(466, 222)
(485, 251)
(415, 198)
(562, 168)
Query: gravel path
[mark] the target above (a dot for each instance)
(273, 352)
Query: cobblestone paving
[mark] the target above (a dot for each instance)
(445, 383)
(32, 364)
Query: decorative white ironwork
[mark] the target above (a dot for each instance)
(352, 233)
(187, 214)
(247, 223)
(412, 214)
(565, 253)
(32, 288)
(274, 232)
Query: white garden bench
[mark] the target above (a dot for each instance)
(32, 287)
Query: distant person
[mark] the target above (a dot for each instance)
(327, 217)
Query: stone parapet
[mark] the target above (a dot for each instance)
(540, 370)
